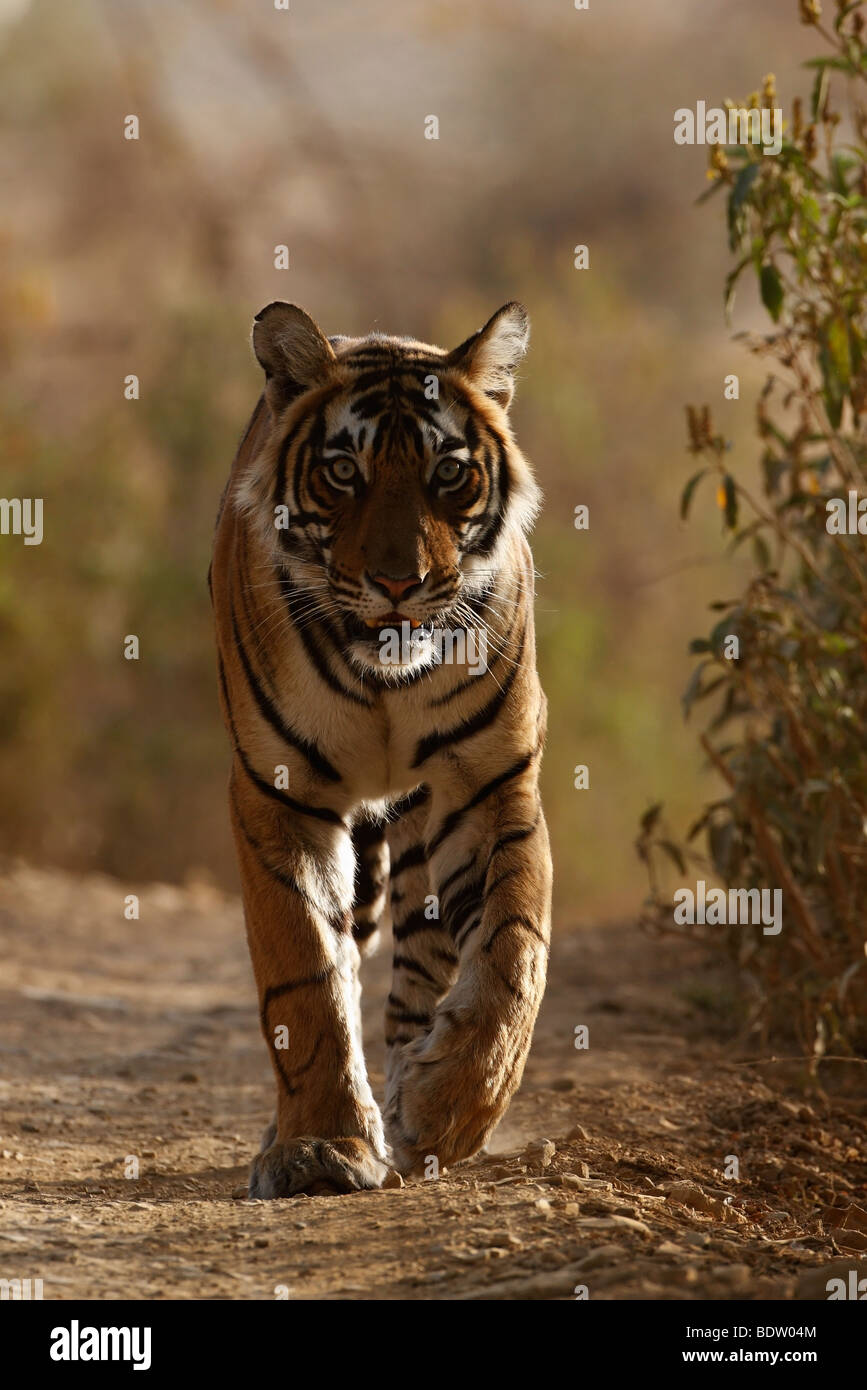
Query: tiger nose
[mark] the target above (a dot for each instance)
(396, 588)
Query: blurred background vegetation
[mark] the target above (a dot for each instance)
(306, 127)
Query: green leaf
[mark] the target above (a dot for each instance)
(686, 495)
(738, 196)
(841, 64)
(833, 392)
(843, 12)
(772, 291)
(819, 95)
(690, 695)
(840, 166)
(838, 347)
(730, 509)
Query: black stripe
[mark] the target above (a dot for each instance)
(337, 923)
(515, 922)
(402, 1013)
(416, 922)
(487, 593)
(460, 937)
(318, 812)
(456, 874)
(314, 655)
(316, 760)
(512, 837)
(462, 905)
(411, 801)
(404, 963)
(289, 986)
(368, 837)
(410, 859)
(432, 743)
(454, 818)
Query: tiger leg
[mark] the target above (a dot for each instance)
(425, 960)
(490, 865)
(371, 882)
(297, 881)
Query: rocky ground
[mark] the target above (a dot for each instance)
(133, 1046)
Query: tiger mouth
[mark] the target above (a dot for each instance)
(368, 629)
(391, 620)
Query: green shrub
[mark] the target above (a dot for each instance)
(787, 732)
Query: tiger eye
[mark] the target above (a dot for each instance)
(449, 470)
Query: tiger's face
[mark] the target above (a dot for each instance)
(392, 477)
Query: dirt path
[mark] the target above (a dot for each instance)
(139, 1039)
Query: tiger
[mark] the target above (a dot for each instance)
(378, 504)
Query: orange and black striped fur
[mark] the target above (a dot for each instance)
(378, 487)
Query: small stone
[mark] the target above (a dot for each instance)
(190, 1078)
(669, 1248)
(603, 1254)
(506, 1238)
(541, 1152)
(574, 1179)
(699, 1238)
(261, 1242)
(571, 1209)
(632, 1224)
(28, 1127)
(687, 1195)
(542, 1204)
(608, 1223)
(578, 1132)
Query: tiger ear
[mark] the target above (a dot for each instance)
(291, 350)
(490, 357)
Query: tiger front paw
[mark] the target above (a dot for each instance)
(446, 1093)
(318, 1167)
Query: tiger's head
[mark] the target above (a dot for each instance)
(389, 485)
